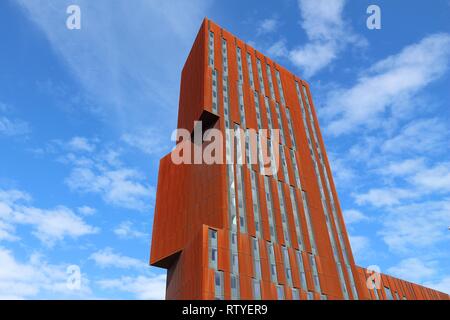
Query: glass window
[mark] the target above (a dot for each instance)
(218, 285)
(234, 286)
(287, 266)
(260, 77)
(255, 199)
(310, 295)
(212, 235)
(256, 259)
(280, 292)
(250, 70)
(273, 269)
(256, 290)
(295, 294)
(270, 208)
(388, 293)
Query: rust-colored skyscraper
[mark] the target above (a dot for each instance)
(226, 231)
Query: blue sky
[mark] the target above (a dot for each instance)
(86, 114)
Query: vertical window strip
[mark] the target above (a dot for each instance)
(308, 223)
(284, 164)
(256, 269)
(240, 87)
(297, 220)
(260, 77)
(287, 266)
(295, 294)
(280, 87)
(212, 245)
(269, 78)
(234, 286)
(231, 182)
(272, 266)
(256, 259)
(269, 113)
(218, 285)
(248, 152)
(284, 221)
(241, 105)
(214, 92)
(301, 269)
(255, 199)
(280, 123)
(239, 62)
(250, 71)
(324, 205)
(290, 128)
(312, 262)
(296, 169)
(280, 292)
(331, 197)
(211, 49)
(256, 289)
(240, 182)
(258, 110)
(268, 192)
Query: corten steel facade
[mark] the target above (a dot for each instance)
(225, 231)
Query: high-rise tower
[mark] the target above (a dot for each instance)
(228, 231)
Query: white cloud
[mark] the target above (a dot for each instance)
(423, 135)
(389, 84)
(108, 258)
(354, 216)
(327, 32)
(117, 63)
(81, 144)
(102, 173)
(86, 210)
(442, 284)
(36, 278)
(413, 269)
(384, 196)
(48, 225)
(433, 179)
(267, 26)
(122, 187)
(415, 226)
(278, 49)
(125, 230)
(403, 167)
(149, 140)
(11, 127)
(143, 287)
(360, 245)
(313, 57)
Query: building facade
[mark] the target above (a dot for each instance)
(229, 231)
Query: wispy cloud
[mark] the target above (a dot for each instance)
(113, 55)
(328, 35)
(127, 230)
(389, 85)
(48, 225)
(354, 216)
(143, 287)
(415, 226)
(103, 173)
(267, 25)
(107, 258)
(10, 126)
(149, 140)
(413, 269)
(36, 278)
